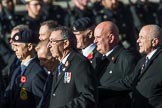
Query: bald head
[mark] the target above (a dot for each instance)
(154, 31)
(106, 36)
(108, 27)
(150, 37)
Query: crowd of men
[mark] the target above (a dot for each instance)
(97, 54)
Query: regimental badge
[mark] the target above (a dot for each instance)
(23, 79)
(113, 59)
(17, 37)
(67, 77)
(23, 94)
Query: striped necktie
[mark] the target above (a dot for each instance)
(59, 69)
(145, 64)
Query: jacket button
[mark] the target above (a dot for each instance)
(54, 94)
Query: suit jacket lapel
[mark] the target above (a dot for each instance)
(112, 57)
(66, 66)
(150, 62)
(28, 70)
(14, 76)
(101, 67)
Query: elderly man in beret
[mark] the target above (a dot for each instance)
(27, 81)
(83, 29)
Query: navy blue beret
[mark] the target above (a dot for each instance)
(26, 36)
(82, 24)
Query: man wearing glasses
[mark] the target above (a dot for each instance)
(73, 83)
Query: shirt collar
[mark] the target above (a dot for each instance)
(109, 52)
(64, 60)
(151, 54)
(88, 49)
(27, 62)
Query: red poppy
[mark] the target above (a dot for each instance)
(23, 79)
(90, 56)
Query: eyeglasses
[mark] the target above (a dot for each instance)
(55, 41)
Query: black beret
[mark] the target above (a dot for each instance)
(82, 24)
(26, 36)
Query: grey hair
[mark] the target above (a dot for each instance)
(20, 27)
(155, 32)
(51, 24)
(66, 33)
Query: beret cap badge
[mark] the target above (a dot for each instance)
(74, 28)
(17, 37)
(26, 36)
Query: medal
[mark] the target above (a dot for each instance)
(67, 77)
(23, 94)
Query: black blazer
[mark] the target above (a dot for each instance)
(26, 94)
(45, 99)
(96, 55)
(75, 87)
(117, 65)
(145, 84)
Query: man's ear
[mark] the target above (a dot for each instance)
(27, 6)
(30, 46)
(90, 34)
(111, 38)
(66, 44)
(154, 42)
